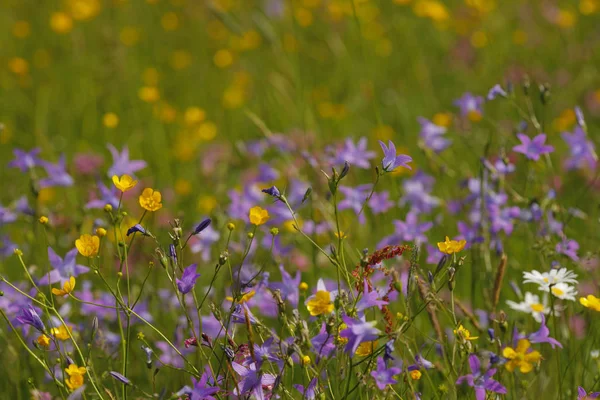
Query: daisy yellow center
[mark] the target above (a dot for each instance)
(557, 291)
(537, 307)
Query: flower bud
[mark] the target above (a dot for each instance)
(101, 232)
(231, 226)
(43, 220)
(250, 235)
(108, 208)
(274, 231)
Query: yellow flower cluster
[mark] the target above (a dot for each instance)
(75, 379)
(451, 246)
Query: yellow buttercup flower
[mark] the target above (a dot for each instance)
(415, 375)
(88, 245)
(303, 286)
(124, 183)
(75, 376)
(44, 341)
(591, 302)
(464, 333)
(247, 296)
(67, 288)
(258, 215)
(305, 360)
(520, 358)
(365, 348)
(320, 304)
(451, 246)
(150, 199)
(61, 333)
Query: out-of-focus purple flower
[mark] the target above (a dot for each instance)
(309, 392)
(107, 196)
(380, 202)
(391, 160)
(369, 299)
(569, 248)
(29, 316)
(409, 230)
(583, 395)
(137, 228)
(496, 91)
(7, 247)
(272, 191)
(202, 226)
(77, 394)
(323, 342)
(7, 216)
(383, 375)
(63, 269)
(582, 151)
(288, 287)
(354, 199)
(188, 279)
(203, 243)
(533, 148)
(417, 193)
(480, 382)
(470, 106)
(266, 173)
(252, 380)
(357, 332)
(543, 335)
(122, 164)
(120, 378)
(355, 154)
(201, 390)
(37, 395)
(57, 174)
(432, 135)
(26, 160)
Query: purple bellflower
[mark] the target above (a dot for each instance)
(308, 393)
(481, 382)
(252, 381)
(357, 332)
(137, 228)
(582, 150)
(369, 299)
(120, 378)
(533, 148)
(122, 164)
(272, 191)
(355, 154)
(188, 279)
(383, 375)
(64, 268)
(391, 161)
(57, 174)
(29, 316)
(496, 92)
(201, 391)
(470, 106)
(26, 160)
(432, 135)
(583, 395)
(543, 335)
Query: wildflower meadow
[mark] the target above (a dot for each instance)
(299, 199)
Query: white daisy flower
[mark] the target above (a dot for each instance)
(531, 305)
(563, 291)
(553, 277)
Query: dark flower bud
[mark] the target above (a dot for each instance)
(94, 328)
(307, 194)
(491, 333)
(164, 261)
(344, 171)
(173, 253)
(272, 191)
(441, 264)
(137, 228)
(223, 257)
(190, 342)
(430, 277)
(120, 377)
(202, 226)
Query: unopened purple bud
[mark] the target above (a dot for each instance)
(202, 226)
(491, 334)
(137, 228)
(120, 377)
(494, 359)
(173, 253)
(272, 191)
(344, 170)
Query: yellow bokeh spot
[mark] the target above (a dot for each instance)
(250, 40)
(180, 59)
(150, 76)
(207, 203)
(129, 36)
(223, 58)
(234, 97)
(519, 37)
(170, 21)
(149, 94)
(61, 22)
(207, 131)
(84, 9)
(193, 115)
(565, 19)
(588, 7)
(432, 9)
(383, 133)
(183, 187)
(442, 119)
(110, 120)
(21, 29)
(217, 30)
(303, 16)
(18, 66)
(479, 39)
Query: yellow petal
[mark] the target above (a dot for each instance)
(523, 345)
(509, 353)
